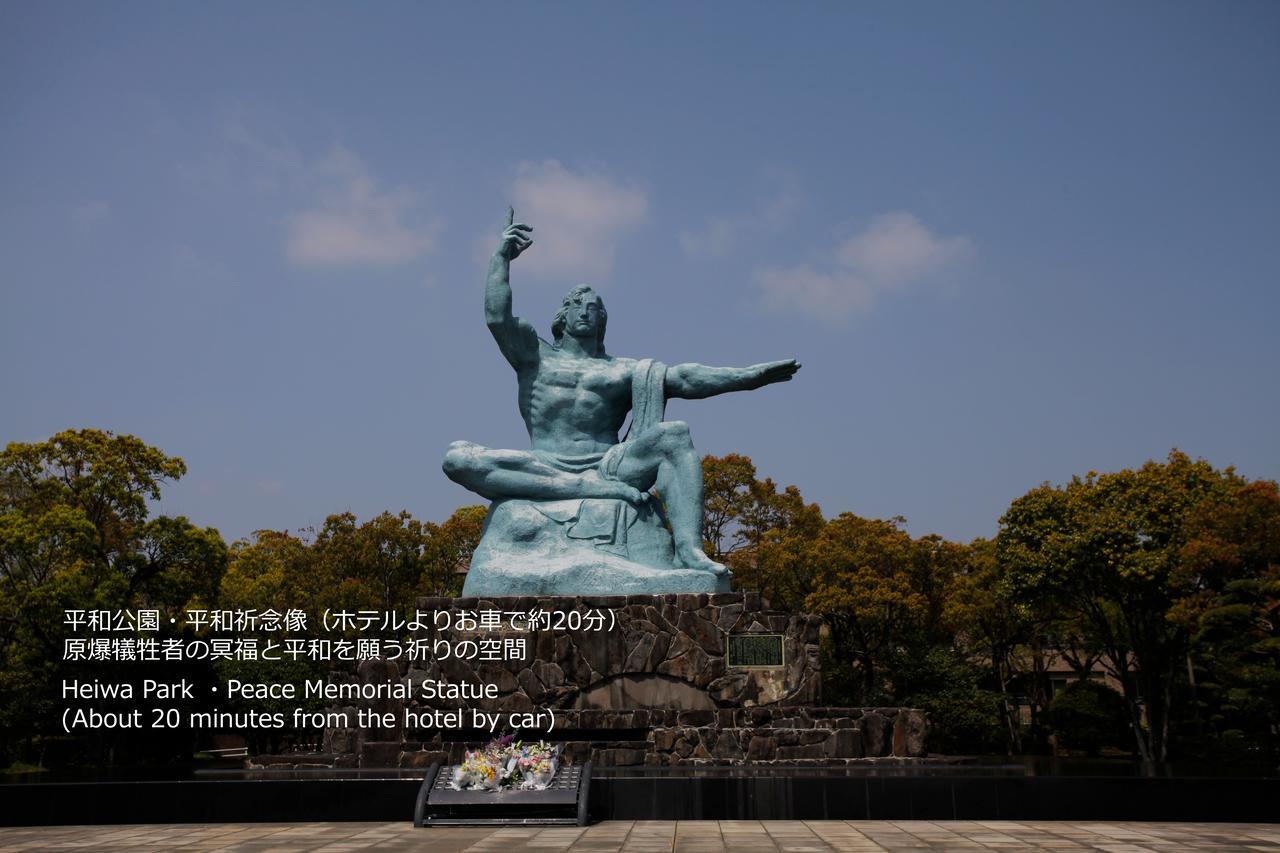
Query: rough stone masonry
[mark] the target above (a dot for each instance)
(658, 689)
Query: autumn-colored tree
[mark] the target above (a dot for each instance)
(450, 549)
(765, 536)
(729, 488)
(275, 571)
(864, 589)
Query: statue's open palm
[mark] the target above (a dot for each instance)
(775, 371)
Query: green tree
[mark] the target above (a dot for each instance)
(1232, 563)
(939, 678)
(386, 563)
(381, 560)
(1106, 550)
(993, 626)
(76, 534)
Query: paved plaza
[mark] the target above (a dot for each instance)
(655, 837)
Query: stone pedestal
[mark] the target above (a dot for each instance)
(658, 684)
(653, 651)
(594, 547)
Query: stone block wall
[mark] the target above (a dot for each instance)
(656, 690)
(663, 651)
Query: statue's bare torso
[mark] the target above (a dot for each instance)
(573, 405)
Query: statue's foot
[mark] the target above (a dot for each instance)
(595, 486)
(694, 558)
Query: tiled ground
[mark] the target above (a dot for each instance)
(656, 837)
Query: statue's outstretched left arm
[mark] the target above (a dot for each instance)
(695, 381)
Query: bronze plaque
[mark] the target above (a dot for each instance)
(755, 651)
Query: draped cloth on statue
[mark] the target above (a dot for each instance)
(648, 396)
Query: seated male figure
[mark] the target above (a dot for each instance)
(574, 398)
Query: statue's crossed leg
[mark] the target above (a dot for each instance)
(499, 474)
(661, 455)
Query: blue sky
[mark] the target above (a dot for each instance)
(1010, 242)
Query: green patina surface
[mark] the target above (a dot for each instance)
(573, 514)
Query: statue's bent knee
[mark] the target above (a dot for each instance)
(674, 435)
(460, 460)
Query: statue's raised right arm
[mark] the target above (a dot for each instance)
(516, 338)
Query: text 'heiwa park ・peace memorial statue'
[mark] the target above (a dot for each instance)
(573, 515)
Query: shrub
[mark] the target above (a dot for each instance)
(1088, 716)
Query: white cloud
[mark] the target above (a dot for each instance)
(578, 219)
(895, 251)
(354, 223)
(719, 236)
(332, 210)
(897, 247)
(827, 296)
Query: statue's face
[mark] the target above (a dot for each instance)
(582, 316)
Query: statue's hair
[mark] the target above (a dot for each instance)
(558, 322)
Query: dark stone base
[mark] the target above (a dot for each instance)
(669, 738)
(917, 792)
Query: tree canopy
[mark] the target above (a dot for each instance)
(77, 533)
(1164, 577)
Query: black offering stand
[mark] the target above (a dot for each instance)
(563, 802)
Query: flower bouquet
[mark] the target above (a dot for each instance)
(506, 763)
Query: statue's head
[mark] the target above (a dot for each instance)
(581, 313)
